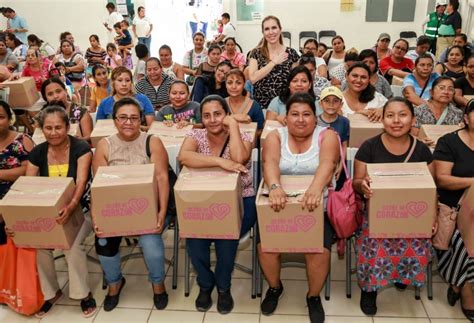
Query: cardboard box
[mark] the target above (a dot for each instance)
(102, 129)
(30, 209)
(208, 203)
(465, 221)
(250, 129)
(292, 229)
(404, 203)
(23, 92)
(362, 129)
(434, 132)
(38, 136)
(170, 136)
(269, 126)
(124, 200)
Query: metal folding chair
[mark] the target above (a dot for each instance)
(286, 36)
(325, 36)
(304, 35)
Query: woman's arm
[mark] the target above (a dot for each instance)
(323, 71)
(179, 72)
(398, 73)
(445, 180)
(86, 127)
(100, 156)
(439, 68)
(239, 150)
(11, 175)
(361, 182)
(159, 157)
(256, 74)
(31, 169)
(410, 94)
(459, 98)
(79, 67)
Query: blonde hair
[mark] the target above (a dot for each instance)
(116, 72)
(264, 46)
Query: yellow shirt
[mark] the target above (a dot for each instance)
(98, 94)
(58, 170)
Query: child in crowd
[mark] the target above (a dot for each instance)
(143, 54)
(60, 71)
(123, 38)
(112, 59)
(213, 58)
(181, 111)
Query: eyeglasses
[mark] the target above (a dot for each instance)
(123, 119)
(402, 49)
(444, 88)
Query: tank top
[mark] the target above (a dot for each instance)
(127, 152)
(333, 62)
(169, 71)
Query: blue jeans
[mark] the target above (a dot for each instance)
(145, 41)
(226, 250)
(153, 253)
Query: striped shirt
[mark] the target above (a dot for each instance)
(92, 54)
(159, 96)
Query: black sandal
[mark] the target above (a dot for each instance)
(111, 302)
(88, 304)
(46, 307)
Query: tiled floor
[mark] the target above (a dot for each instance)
(136, 301)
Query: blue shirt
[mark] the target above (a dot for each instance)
(410, 80)
(341, 125)
(256, 115)
(104, 111)
(19, 23)
(280, 108)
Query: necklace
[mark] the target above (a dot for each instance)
(56, 163)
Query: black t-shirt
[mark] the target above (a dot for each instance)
(373, 151)
(463, 84)
(455, 20)
(79, 147)
(451, 148)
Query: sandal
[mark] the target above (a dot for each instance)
(47, 306)
(88, 306)
(110, 302)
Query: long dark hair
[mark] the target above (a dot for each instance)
(368, 93)
(285, 94)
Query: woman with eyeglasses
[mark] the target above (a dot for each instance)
(397, 64)
(454, 65)
(211, 84)
(439, 109)
(311, 46)
(122, 86)
(130, 146)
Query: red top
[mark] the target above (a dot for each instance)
(387, 63)
(39, 76)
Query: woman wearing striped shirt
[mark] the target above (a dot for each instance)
(156, 84)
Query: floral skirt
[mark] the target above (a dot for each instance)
(382, 262)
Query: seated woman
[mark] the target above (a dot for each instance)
(439, 109)
(311, 47)
(112, 59)
(101, 90)
(130, 146)
(46, 50)
(319, 82)
(156, 84)
(6, 57)
(122, 86)
(454, 65)
(241, 107)
(417, 86)
(54, 92)
(16, 46)
(322, 48)
(360, 95)
(210, 65)
(180, 110)
(298, 150)
(299, 81)
(381, 85)
(170, 68)
(95, 54)
(36, 67)
(194, 57)
(381, 48)
(211, 84)
(335, 56)
(219, 144)
(338, 74)
(397, 64)
(236, 59)
(75, 65)
(454, 157)
(65, 156)
(404, 260)
(464, 86)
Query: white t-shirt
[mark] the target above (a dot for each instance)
(377, 102)
(112, 19)
(142, 25)
(228, 31)
(319, 61)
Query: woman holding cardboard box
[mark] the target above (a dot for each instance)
(382, 262)
(130, 146)
(219, 144)
(66, 156)
(299, 149)
(454, 157)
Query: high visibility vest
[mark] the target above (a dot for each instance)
(433, 24)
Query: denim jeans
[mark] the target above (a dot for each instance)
(153, 253)
(145, 41)
(226, 250)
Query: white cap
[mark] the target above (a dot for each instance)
(441, 3)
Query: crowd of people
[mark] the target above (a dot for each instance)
(215, 88)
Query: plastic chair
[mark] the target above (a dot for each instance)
(327, 34)
(397, 90)
(304, 35)
(252, 234)
(286, 36)
(410, 36)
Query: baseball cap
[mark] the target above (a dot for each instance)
(441, 3)
(331, 90)
(384, 36)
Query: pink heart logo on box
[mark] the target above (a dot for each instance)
(219, 210)
(305, 222)
(416, 209)
(138, 205)
(46, 224)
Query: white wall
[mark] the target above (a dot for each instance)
(47, 18)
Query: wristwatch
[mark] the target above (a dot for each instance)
(274, 186)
